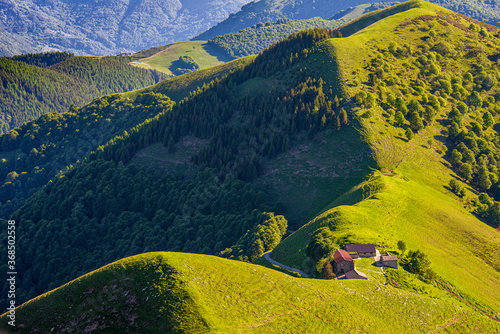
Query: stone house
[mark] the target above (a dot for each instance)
(362, 250)
(343, 262)
(390, 261)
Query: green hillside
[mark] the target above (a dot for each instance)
(34, 153)
(187, 293)
(194, 151)
(166, 58)
(37, 84)
(181, 86)
(411, 199)
(387, 134)
(272, 10)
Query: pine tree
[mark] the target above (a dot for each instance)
(429, 114)
(402, 247)
(456, 158)
(466, 171)
(488, 119)
(483, 178)
(343, 117)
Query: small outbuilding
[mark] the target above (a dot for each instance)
(343, 262)
(390, 261)
(362, 250)
(355, 274)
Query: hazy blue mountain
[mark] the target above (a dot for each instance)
(104, 27)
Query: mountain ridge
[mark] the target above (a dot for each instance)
(104, 27)
(189, 293)
(405, 84)
(272, 10)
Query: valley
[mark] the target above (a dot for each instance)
(157, 209)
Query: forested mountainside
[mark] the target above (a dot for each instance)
(35, 84)
(382, 131)
(220, 136)
(271, 10)
(34, 153)
(255, 39)
(104, 27)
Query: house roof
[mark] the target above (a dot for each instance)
(355, 274)
(389, 258)
(360, 248)
(341, 256)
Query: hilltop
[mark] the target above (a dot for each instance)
(383, 130)
(405, 54)
(192, 153)
(271, 10)
(168, 59)
(104, 28)
(187, 293)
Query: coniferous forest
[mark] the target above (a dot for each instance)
(214, 213)
(36, 84)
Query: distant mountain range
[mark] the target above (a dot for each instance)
(109, 27)
(99, 27)
(272, 10)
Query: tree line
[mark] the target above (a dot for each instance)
(103, 208)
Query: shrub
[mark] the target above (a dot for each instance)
(409, 134)
(327, 271)
(321, 244)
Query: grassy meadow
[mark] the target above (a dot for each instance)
(187, 293)
(161, 58)
(412, 200)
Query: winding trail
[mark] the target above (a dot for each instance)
(303, 274)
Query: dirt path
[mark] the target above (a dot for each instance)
(303, 274)
(139, 62)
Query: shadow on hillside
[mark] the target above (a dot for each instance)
(402, 138)
(496, 127)
(441, 138)
(217, 52)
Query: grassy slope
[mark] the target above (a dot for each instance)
(189, 293)
(419, 210)
(411, 204)
(179, 87)
(306, 178)
(161, 58)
